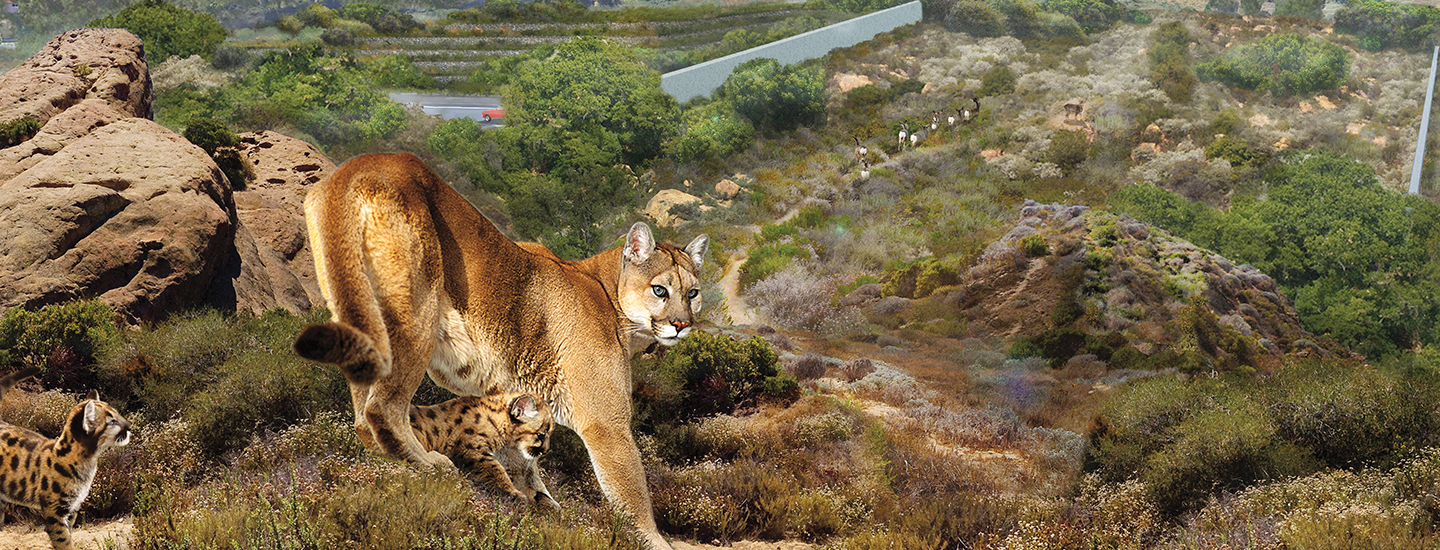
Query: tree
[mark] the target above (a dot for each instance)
(1092, 15)
(1250, 7)
(167, 30)
(975, 17)
(580, 117)
(774, 97)
(712, 131)
(1311, 9)
(999, 80)
(591, 82)
(1170, 61)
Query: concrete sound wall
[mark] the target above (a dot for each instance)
(697, 80)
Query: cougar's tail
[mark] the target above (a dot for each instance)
(356, 339)
(9, 381)
(345, 346)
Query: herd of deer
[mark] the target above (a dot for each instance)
(961, 116)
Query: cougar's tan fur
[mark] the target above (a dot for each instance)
(419, 282)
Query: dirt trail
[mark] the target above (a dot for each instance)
(98, 536)
(740, 312)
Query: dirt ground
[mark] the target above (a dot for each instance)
(97, 536)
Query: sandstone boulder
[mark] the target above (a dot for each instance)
(274, 266)
(104, 64)
(103, 202)
(660, 205)
(727, 189)
(131, 213)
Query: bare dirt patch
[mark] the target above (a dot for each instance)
(99, 536)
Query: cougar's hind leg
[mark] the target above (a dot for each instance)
(387, 409)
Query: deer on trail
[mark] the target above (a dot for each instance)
(1075, 108)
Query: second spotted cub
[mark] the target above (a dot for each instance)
(54, 475)
(489, 435)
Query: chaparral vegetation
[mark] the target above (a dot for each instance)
(1132, 278)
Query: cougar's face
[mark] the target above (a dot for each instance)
(660, 289)
(671, 301)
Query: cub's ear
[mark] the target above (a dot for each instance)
(94, 395)
(89, 416)
(523, 408)
(697, 248)
(639, 244)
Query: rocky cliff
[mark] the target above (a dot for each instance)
(101, 201)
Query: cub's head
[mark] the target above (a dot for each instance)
(533, 424)
(97, 426)
(660, 284)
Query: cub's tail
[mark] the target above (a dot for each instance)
(9, 381)
(344, 346)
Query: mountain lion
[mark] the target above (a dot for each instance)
(418, 281)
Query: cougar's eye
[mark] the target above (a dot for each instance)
(693, 293)
(659, 291)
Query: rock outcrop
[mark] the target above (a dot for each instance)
(1105, 274)
(104, 203)
(130, 213)
(275, 267)
(660, 205)
(81, 80)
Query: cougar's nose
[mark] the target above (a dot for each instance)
(680, 325)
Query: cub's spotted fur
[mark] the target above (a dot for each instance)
(54, 475)
(493, 436)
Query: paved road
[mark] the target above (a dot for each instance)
(451, 106)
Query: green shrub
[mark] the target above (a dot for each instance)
(709, 374)
(18, 130)
(210, 134)
(1068, 148)
(167, 30)
(398, 72)
(1189, 440)
(999, 80)
(1169, 57)
(1310, 9)
(1034, 246)
(866, 97)
(1023, 348)
(978, 18)
(1250, 7)
(1022, 18)
(1222, 6)
(1381, 25)
(775, 97)
(1284, 64)
(61, 339)
(766, 260)
(1237, 152)
(1092, 15)
(918, 280)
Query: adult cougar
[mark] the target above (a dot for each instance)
(418, 281)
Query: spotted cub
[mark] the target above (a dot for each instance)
(494, 436)
(54, 475)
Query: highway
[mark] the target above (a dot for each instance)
(451, 106)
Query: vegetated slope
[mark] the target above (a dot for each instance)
(1068, 267)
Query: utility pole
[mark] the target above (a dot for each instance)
(1424, 127)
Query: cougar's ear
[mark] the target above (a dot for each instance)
(95, 395)
(697, 248)
(639, 244)
(523, 408)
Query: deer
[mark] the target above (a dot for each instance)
(904, 132)
(861, 151)
(1074, 109)
(917, 136)
(864, 169)
(969, 114)
(934, 120)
